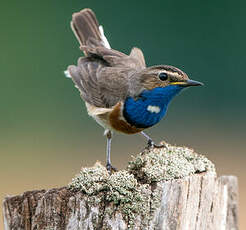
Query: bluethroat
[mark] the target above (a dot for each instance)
(119, 91)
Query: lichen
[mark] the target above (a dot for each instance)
(121, 188)
(159, 164)
(127, 194)
(134, 191)
(90, 180)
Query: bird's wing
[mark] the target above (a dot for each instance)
(116, 58)
(100, 85)
(138, 56)
(102, 76)
(114, 84)
(84, 76)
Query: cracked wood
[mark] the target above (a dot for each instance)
(198, 202)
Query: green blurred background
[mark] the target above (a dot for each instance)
(46, 135)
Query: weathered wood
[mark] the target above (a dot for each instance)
(147, 195)
(197, 202)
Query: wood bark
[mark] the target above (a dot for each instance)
(197, 202)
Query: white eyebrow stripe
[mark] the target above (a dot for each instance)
(153, 109)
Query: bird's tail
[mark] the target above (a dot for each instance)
(87, 30)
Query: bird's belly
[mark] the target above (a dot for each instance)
(99, 114)
(111, 118)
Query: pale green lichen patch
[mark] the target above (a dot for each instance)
(158, 164)
(121, 189)
(127, 194)
(90, 180)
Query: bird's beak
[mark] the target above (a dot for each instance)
(187, 83)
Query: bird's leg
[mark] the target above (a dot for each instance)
(151, 143)
(109, 166)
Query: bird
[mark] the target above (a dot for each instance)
(120, 92)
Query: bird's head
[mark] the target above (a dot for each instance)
(165, 75)
(151, 91)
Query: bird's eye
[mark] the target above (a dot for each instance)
(163, 76)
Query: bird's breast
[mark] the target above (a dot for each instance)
(143, 113)
(150, 107)
(119, 123)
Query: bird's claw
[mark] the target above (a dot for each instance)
(152, 144)
(110, 168)
(160, 146)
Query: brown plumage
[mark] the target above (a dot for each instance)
(106, 77)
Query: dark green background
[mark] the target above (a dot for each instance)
(46, 135)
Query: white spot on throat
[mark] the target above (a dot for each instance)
(153, 109)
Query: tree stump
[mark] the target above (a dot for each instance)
(169, 188)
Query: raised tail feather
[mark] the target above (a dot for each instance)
(87, 30)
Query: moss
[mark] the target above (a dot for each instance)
(132, 191)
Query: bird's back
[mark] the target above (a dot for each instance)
(102, 76)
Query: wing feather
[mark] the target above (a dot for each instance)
(102, 77)
(138, 55)
(100, 85)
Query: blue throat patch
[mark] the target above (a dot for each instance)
(150, 107)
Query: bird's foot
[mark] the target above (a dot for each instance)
(110, 168)
(152, 144)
